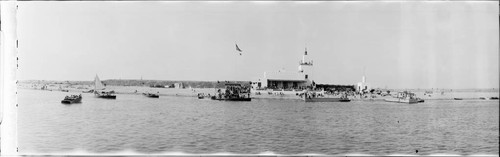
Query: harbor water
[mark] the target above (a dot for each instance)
(282, 126)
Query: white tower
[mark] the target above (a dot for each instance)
(305, 66)
(363, 85)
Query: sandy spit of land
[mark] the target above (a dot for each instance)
(192, 92)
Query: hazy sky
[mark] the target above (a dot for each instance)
(401, 44)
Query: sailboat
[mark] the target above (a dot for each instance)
(102, 94)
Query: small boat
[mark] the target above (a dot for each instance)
(404, 97)
(201, 96)
(105, 95)
(151, 95)
(89, 91)
(72, 99)
(457, 98)
(102, 94)
(482, 98)
(64, 90)
(420, 100)
(233, 92)
(402, 100)
(231, 99)
(493, 98)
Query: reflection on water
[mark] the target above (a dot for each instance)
(186, 124)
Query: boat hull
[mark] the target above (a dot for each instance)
(152, 95)
(326, 100)
(408, 101)
(232, 99)
(71, 101)
(239, 99)
(106, 96)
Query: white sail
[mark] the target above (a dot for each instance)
(98, 84)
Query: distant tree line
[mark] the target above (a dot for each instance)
(170, 83)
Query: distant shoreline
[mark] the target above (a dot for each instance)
(214, 84)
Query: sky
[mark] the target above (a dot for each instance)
(394, 44)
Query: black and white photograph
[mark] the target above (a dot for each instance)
(263, 78)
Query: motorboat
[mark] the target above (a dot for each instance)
(105, 95)
(72, 99)
(405, 97)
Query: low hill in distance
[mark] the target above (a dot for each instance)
(149, 83)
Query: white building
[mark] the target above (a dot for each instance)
(287, 81)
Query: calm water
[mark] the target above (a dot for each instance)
(186, 124)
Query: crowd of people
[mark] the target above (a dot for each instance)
(73, 97)
(234, 92)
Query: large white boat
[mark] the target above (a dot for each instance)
(405, 97)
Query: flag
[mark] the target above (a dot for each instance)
(238, 49)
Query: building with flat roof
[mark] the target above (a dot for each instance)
(300, 80)
(283, 80)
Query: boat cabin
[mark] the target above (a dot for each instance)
(406, 94)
